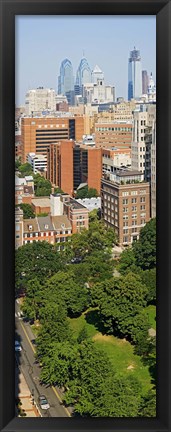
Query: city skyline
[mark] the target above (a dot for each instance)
(34, 69)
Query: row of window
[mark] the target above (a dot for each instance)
(103, 129)
(46, 234)
(133, 200)
(141, 192)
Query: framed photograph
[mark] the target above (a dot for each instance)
(85, 216)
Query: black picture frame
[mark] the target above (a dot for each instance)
(162, 10)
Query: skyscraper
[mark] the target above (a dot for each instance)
(66, 81)
(134, 75)
(97, 74)
(83, 74)
(145, 81)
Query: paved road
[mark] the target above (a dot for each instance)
(31, 370)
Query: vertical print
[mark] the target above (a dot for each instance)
(85, 216)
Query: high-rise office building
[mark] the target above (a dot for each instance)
(134, 75)
(145, 80)
(83, 75)
(38, 133)
(97, 74)
(66, 81)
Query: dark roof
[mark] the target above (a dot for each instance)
(45, 223)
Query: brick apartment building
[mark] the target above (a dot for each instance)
(113, 134)
(77, 214)
(66, 217)
(70, 164)
(38, 133)
(125, 204)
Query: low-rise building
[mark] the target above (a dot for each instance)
(38, 162)
(41, 205)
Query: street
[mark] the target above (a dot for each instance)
(31, 369)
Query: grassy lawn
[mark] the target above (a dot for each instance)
(119, 351)
(151, 311)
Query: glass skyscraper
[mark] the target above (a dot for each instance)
(134, 75)
(66, 81)
(83, 74)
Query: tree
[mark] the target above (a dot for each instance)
(119, 301)
(57, 362)
(17, 163)
(148, 404)
(149, 279)
(54, 326)
(145, 248)
(25, 169)
(42, 186)
(63, 286)
(28, 212)
(126, 261)
(92, 193)
(96, 390)
(58, 190)
(86, 192)
(39, 259)
(33, 300)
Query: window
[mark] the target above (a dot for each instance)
(134, 200)
(125, 201)
(17, 236)
(142, 192)
(142, 221)
(125, 224)
(125, 239)
(134, 193)
(134, 222)
(142, 199)
(124, 217)
(142, 207)
(134, 230)
(125, 193)
(134, 208)
(17, 227)
(134, 216)
(125, 210)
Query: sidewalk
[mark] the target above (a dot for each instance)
(25, 397)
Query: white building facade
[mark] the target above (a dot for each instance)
(40, 99)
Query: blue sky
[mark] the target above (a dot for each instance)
(42, 42)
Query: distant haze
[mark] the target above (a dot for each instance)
(43, 42)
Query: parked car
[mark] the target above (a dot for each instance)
(76, 260)
(43, 402)
(17, 346)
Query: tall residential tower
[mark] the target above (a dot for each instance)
(134, 75)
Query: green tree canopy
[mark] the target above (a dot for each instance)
(28, 212)
(86, 192)
(145, 248)
(42, 186)
(39, 259)
(119, 300)
(25, 169)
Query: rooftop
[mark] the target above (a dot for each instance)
(41, 202)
